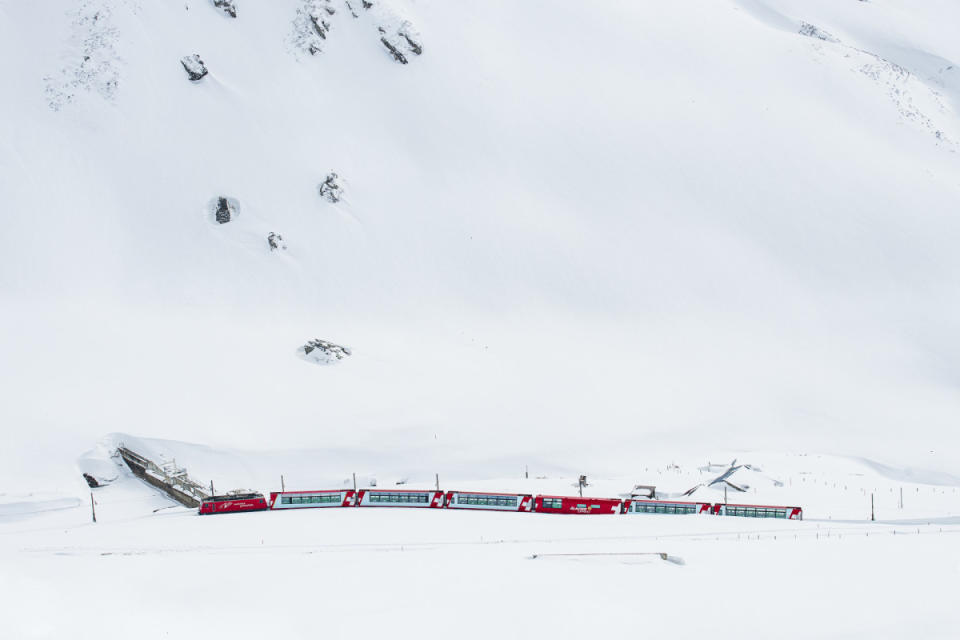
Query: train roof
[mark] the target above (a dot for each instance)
(235, 496)
(311, 491)
(761, 506)
(578, 498)
(379, 490)
(664, 501)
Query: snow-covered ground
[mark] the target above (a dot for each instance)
(621, 239)
(157, 568)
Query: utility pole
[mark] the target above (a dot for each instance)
(724, 494)
(437, 478)
(354, 482)
(872, 515)
(526, 472)
(93, 508)
(283, 487)
(901, 497)
(211, 489)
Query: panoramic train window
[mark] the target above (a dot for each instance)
(487, 501)
(405, 498)
(552, 503)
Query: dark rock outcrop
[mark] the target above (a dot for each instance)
(394, 51)
(275, 240)
(228, 7)
(194, 67)
(330, 188)
(225, 211)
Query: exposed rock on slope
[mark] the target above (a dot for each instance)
(228, 7)
(323, 352)
(330, 189)
(400, 38)
(312, 24)
(812, 31)
(275, 241)
(194, 67)
(226, 210)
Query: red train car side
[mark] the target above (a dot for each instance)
(233, 503)
(573, 504)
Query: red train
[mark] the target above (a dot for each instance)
(483, 501)
(569, 504)
(233, 503)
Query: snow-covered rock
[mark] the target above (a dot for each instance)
(812, 31)
(229, 7)
(275, 242)
(312, 25)
(331, 189)
(194, 67)
(323, 352)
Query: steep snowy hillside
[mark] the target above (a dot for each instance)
(567, 231)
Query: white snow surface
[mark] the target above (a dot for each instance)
(625, 239)
(151, 565)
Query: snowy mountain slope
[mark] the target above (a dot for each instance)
(565, 229)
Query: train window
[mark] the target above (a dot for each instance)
(285, 500)
(552, 503)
